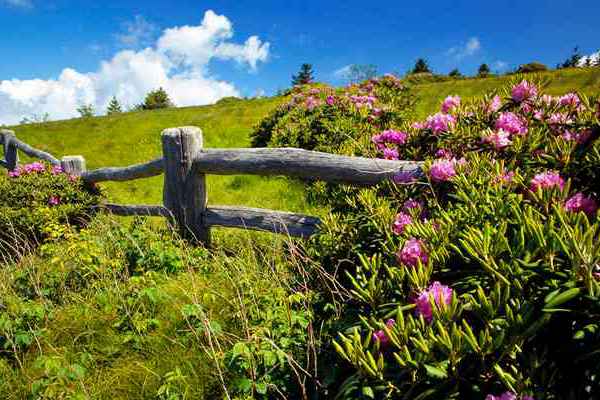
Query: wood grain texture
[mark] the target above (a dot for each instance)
(184, 191)
(131, 210)
(260, 219)
(36, 153)
(137, 171)
(73, 165)
(11, 155)
(300, 163)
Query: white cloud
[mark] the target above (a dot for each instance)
(18, 3)
(343, 72)
(178, 62)
(593, 58)
(472, 46)
(138, 32)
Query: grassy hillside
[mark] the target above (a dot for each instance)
(130, 138)
(431, 94)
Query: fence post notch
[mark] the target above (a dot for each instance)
(73, 165)
(184, 192)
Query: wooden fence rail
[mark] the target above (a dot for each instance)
(185, 164)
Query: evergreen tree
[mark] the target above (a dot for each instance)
(114, 107)
(573, 60)
(483, 71)
(305, 75)
(86, 110)
(420, 67)
(156, 99)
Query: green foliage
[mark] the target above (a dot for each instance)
(114, 107)
(156, 99)
(531, 67)
(483, 71)
(455, 73)
(86, 110)
(421, 66)
(573, 60)
(304, 76)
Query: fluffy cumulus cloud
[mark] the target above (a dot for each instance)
(472, 46)
(591, 59)
(178, 61)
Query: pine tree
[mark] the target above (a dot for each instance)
(420, 66)
(304, 76)
(114, 107)
(86, 110)
(483, 71)
(157, 99)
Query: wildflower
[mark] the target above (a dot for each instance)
(380, 336)
(419, 125)
(499, 139)
(559, 119)
(57, 170)
(511, 123)
(54, 201)
(314, 91)
(404, 177)
(505, 177)
(35, 167)
(548, 100)
(546, 180)
(579, 137)
(450, 103)
(523, 91)
(401, 221)
(441, 294)
(442, 170)
(440, 122)
(390, 136)
(311, 103)
(526, 108)
(494, 105)
(330, 100)
(580, 202)
(443, 153)
(390, 154)
(412, 252)
(569, 100)
(412, 204)
(507, 396)
(15, 173)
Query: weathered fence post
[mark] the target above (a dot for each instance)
(184, 190)
(11, 156)
(73, 165)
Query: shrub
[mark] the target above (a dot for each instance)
(421, 66)
(531, 67)
(155, 100)
(36, 200)
(484, 280)
(483, 71)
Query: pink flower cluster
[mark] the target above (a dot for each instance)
(441, 295)
(330, 100)
(390, 154)
(507, 396)
(570, 100)
(524, 91)
(404, 177)
(442, 170)
(579, 137)
(363, 101)
(494, 105)
(580, 202)
(389, 136)
(546, 180)
(439, 123)
(499, 139)
(380, 336)
(450, 103)
(402, 220)
(412, 252)
(312, 103)
(54, 201)
(511, 123)
(27, 169)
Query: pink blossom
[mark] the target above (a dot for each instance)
(580, 202)
(412, 252)
(548, 100)
(419, 125)
(314, 91)
(390, 136)
(526, 108)
(524, 91)
(505, 177)
(412, 204)
(559, 119)
(54, 201)
(499, 139)
(538, 115)
(404, 177)
(312, 103)
(401, 221)
(57, 170)
(442, 170)
(440, 122)
(546, 180)
(441, 294)
(570, 100)
(380, 336)
(443, 153)
(579, 137)
(390, 154)
(495, 104)
(15, 173)
(330, 100)
(450, 103)
(511, 123)
(507, 396)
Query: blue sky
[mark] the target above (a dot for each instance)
(40, 38)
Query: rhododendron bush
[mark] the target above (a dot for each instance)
(36, 198)
(481, 278)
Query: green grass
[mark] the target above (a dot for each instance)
(131, 138)
(430, 95)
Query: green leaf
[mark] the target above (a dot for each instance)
(436, 372)
(368, 392)
(562, 298)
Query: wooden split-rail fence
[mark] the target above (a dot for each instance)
(185, 164)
